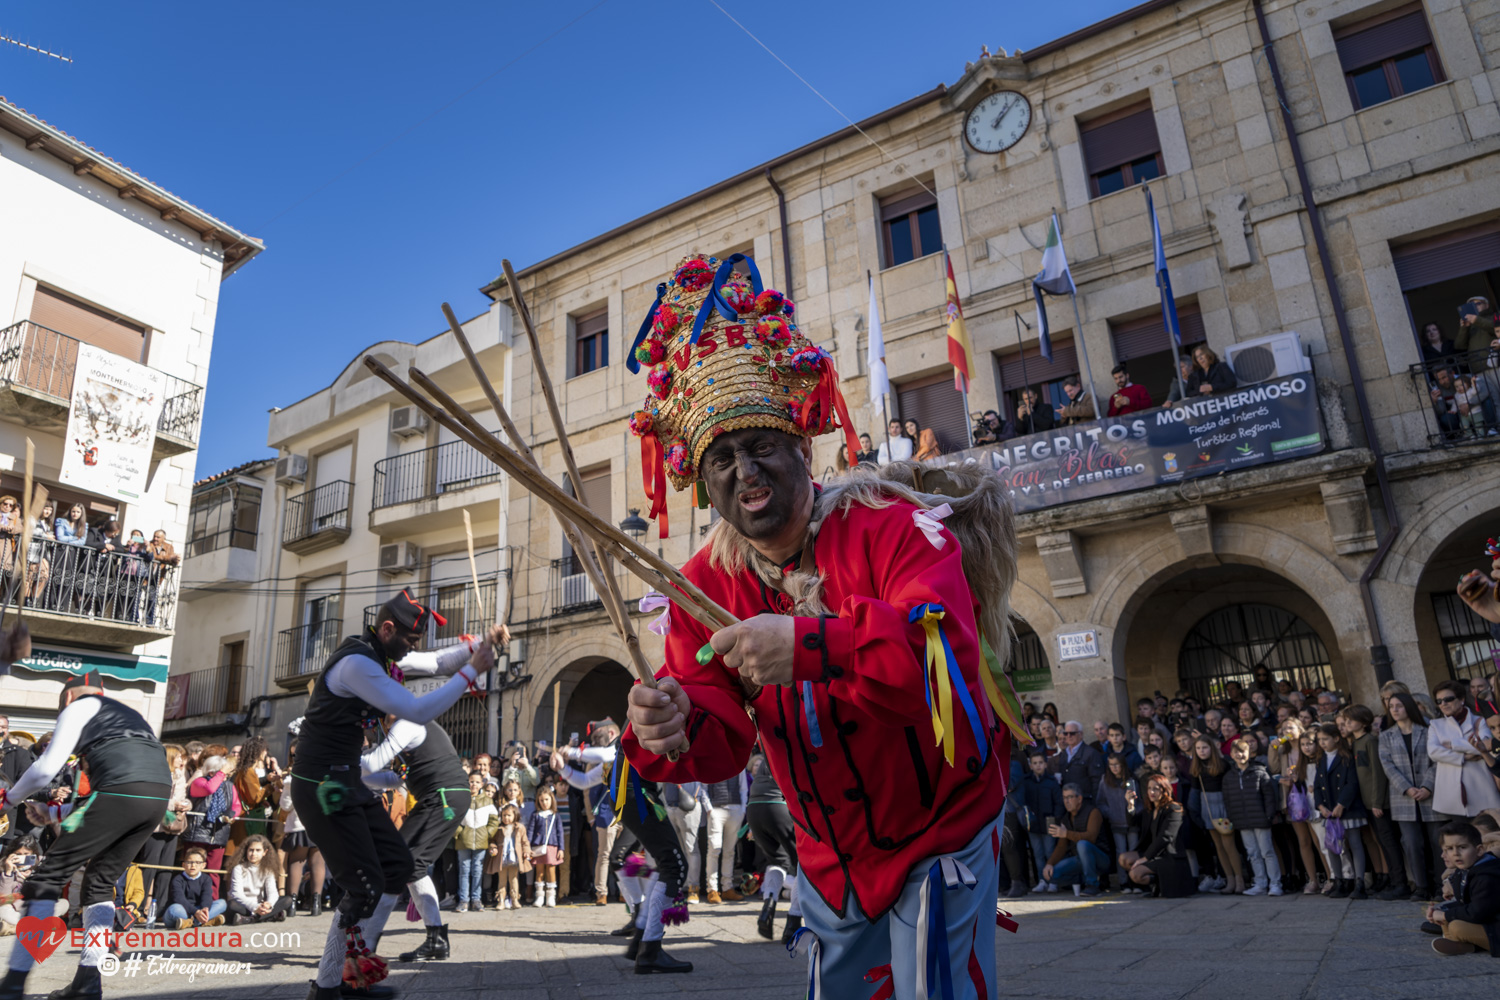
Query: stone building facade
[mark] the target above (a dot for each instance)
(1182, 586)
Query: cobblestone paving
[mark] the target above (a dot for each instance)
(1206, 948)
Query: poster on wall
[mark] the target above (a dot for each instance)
(111, 425)
(1269, 422)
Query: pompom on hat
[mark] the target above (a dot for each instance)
(734, 358)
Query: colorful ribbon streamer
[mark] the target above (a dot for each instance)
(930, 523)
(654, 601)
(942, 666)
(814, 961)
(934, 965)
(1002, 699)
(810, 710)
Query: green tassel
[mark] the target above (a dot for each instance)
(330, 796)
(447, 809)
(706, 654)
(169, 818)
(700, 494)
(75, 818)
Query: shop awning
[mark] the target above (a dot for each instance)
(51, 659)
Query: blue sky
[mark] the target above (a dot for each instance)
(353, 138)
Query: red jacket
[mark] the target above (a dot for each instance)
(877, 797)
(1128, 400)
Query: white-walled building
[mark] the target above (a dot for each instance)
(94, 254)
(286, 556)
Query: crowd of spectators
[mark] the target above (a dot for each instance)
(1270, 791)
(74, 567)
(1461, 372)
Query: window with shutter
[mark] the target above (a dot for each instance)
(909, 226)
(1020, 371)
(933, 402)
(1452, 255)
(1388, 55)
(591, 342)
(597, 498)
(1121, 149)
(81, 321)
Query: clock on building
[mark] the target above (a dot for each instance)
(997, 123)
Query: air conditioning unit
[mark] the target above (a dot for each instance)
(1267, 358)
(408, 421)
(399, 557)
(291, 469)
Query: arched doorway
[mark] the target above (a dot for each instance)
(1455, 643)
(1231, 644)
(592, 688)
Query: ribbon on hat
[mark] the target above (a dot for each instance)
(654, 478)
(653, 601)
(631, 363)
(942, 673)
(814, 960)
(825, 396)
(934, 966)
(930, 523)
(715, 301)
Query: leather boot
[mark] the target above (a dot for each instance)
(1346, 886)
(793, 925)
(652, 959)
(317, 906)
(626, 931)
(634, 947)
(13, 986)
(766, 925)
(85, 986)
(434, 949)
(1359, 890)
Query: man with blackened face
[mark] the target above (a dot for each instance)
(857, 648)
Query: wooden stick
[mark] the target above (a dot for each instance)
(473, 566)
(556, 696)
(643, 562)
(613, 598)
(23, 538)
(610, 543)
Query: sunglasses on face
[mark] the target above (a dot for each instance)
(1448, 700)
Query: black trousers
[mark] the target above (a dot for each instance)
(771, 826)
(428, 834)
(625, 843)
(1390, 845)
(362, 848)
(113, 830)
(659, 838)
(241, 913)
(159, 849)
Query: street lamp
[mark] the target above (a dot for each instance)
(635, 526)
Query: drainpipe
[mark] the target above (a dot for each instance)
(786, 235)
(1380, 657)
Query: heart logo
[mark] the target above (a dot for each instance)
(41, 937)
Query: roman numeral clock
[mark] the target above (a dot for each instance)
(998, 122)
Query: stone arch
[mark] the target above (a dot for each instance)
(1036, 608)
(1445, 514)
(570, 661)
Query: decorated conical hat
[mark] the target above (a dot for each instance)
(724, 353)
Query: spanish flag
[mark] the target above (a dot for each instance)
(960, 354)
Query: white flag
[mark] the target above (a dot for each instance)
(880, 380)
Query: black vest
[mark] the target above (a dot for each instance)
(333, 728)
(119, 746)
(433, 764)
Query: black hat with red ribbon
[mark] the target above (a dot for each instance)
(87, 679)
(408, 614)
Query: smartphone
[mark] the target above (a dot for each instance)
(1468, 309)
(1050, 821)
(573, 740)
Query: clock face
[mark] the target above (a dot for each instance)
(998, 122)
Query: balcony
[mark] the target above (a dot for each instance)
(36, 388)
(572, 591)
(302, 651)
(317, 519)
(199, 698)
(429, 489)
(457, 605)
(1459, 406)
(222, 536)
(110, 599)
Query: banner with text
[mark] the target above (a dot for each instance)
(1213, 434)
(111, 425)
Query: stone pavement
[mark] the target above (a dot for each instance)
(1113, 948)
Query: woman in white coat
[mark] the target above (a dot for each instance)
(1462, 784)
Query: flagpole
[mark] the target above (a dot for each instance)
(1084, 353)
(884, 411)
(1025, 381)
(1168, 308)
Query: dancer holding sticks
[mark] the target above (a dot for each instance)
(365, 854)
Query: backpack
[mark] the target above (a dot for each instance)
(209, 828)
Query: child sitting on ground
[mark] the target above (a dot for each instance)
(1472, 919)
(253, 876)
(510, 856)
(193, 903)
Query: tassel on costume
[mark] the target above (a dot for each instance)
(941, 672)
(675, 914)
(75, 818)
(447, 809)
(412, 916)
(361, 969)
(635, 866)
(330, 796)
